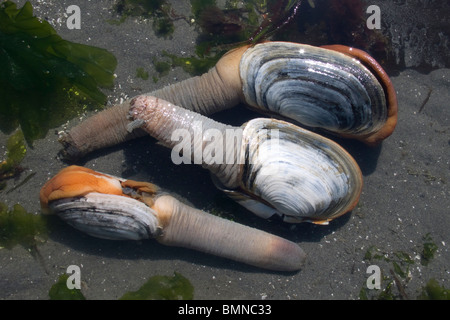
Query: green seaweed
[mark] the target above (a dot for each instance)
(162, 67)
(17, 226)
(433, 291)
(278, 14)
(193, 65)
(60, 291)
(399, 270)
(429, 249)
(163, 288)
(157, 10)
(402, 265)
(146, 8)
(46, 80)
(197, 6)
(141, 73)
(15, 152)
(222, 29)
(249, 21)
(163, 26)
(373, 253)
(400, 273)
(404, 257)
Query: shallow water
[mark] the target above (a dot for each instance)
(405, 195)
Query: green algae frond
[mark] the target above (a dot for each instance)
(141, 73)
(433, 291)
(15, 152)
(46, 80)
(163, 288)
(17, 226)
(159, 11)
(400, 264)
(429, 249)
(60, 291)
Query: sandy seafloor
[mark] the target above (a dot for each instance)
(405, 197)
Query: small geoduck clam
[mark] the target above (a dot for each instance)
(108, 207)
(337, 89)
(271, 167)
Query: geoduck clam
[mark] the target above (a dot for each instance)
(336, 88)
(269, 166)
(108, 207)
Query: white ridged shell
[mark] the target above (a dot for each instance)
(108, 216)
(300, 174)
(313, 86)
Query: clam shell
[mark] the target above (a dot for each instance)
(300, 174)
(108, 216)
(316, 87)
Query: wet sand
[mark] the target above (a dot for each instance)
(405, 196)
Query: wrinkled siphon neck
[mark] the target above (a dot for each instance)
(217, 90)
(187, 227)
(206, 94)
(200, 140)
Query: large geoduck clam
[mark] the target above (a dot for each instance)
(336, 88)
(108, 207)
(274, 167)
